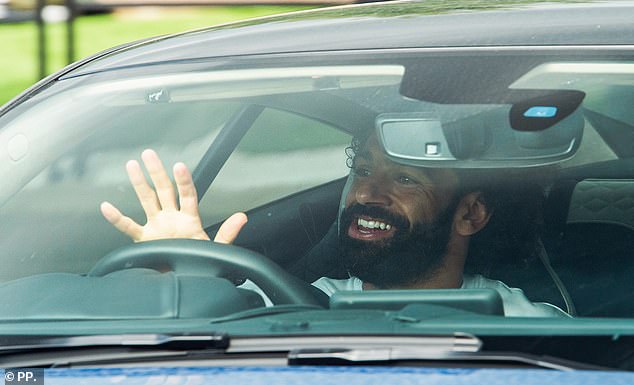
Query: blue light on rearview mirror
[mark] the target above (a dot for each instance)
(541, 112)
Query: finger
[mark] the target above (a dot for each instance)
(162, 183)
(145, 193)
(121, 222)
(230, 228)
(187, 197)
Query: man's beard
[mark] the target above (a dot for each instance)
(405, 258)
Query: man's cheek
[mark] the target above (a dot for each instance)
(350, 200)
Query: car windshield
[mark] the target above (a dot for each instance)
(499, 181)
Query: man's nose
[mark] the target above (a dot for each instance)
(373, 191)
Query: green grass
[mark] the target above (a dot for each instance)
(18, 42)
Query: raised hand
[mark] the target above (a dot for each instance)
(167, 218)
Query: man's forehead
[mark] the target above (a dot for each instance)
(371, 150)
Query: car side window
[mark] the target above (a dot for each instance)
(283, 153)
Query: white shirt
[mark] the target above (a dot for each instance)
(513, 299)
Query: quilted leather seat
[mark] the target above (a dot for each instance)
(591, 237)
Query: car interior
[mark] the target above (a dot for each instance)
(587, 231)
(583, 261)
(586, 237)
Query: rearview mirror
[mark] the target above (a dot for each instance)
(486, 139)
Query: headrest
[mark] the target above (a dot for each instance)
(596, 193)
(591, 200)
(608, 201)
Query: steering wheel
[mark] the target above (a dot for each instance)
(198, 257)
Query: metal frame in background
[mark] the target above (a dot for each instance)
(71, 6)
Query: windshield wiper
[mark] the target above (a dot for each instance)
(369, 356)
(431, 344)
(453, 349)
(10, 344)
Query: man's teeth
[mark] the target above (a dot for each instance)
(373, 224)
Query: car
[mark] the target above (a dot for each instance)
(432, 192)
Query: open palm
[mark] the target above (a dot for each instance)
(168, 216)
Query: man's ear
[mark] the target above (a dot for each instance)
(471, 215)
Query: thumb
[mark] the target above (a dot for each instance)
(230, 228)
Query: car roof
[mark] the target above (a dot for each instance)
(398, 24)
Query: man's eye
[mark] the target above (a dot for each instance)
(406, 180)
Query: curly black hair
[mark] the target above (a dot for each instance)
(356, 143)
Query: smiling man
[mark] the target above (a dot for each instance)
(403, 227)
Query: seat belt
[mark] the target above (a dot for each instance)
(543, 257)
